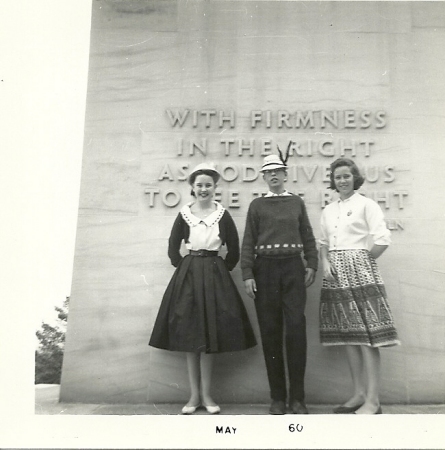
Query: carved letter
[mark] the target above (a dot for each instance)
(176, 198)
(364, 116)
(182, 174)
(388, 171)
(268, 119)
(326, 197)
(255, 116)
(229, 178)
(234, 199)
(323, 151)
(166, 173)
(344, 147)
(208, 113)
(382, 199)
(283, 116)
(151, 191)
(179, 153)
(372, 174)
(332, 120)
(266, 146)
(177, 118)
(252, 177)
(310, 172)
(242, 146)
(350, 119)
(201, 147)
(295, 149)
(230, 118)
(401, 194)
(380, 119)
(367, 144)
(227, 142)
(300, 119)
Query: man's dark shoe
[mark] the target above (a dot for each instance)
(277, 407)
(297, 407)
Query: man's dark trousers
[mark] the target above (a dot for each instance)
(280, 300)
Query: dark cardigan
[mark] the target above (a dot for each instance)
(227, 232)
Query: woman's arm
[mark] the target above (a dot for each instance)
(377, 250)
(174, 242)
(377, 226)
(248, 244)
(232, 241)
(329, 272)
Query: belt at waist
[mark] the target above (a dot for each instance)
(203, 253)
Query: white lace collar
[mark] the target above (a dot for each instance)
(209, 221)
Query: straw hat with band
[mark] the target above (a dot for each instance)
(272, 162)
(204, 167)
(275, 162)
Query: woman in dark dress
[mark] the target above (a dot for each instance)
(202, 312)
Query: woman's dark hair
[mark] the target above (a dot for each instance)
(341, 162)
(210, 173)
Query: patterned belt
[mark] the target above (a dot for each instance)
(203, 253)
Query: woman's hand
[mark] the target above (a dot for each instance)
(309, 277)
(377, 250)
(250, 287)
(329, 272)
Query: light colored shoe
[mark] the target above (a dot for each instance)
(346, 409)
(212, 409)
(189, 409)
(379, 411)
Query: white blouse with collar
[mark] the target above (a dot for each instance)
(348, 224)
(204, 233)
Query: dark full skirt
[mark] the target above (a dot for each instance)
(354, 309)
(202, 310)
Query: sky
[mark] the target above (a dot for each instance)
(43, 92)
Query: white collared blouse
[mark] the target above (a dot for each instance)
(204, 233)
(354, 223)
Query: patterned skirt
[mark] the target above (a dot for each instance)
(354, 309)
(202, 310)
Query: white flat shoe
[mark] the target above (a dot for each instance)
(212, 409)
(189, 409)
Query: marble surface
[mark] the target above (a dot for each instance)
(150, 56)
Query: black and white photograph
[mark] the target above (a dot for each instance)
(224, 224)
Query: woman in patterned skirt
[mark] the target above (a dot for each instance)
(354, 310)
(202, 312)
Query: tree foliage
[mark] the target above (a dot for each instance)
(49, 354)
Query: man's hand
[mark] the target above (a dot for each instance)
(250, 286)
(309, 277)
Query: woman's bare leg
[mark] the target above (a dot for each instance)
(371, 357)
(193, 366)
(355, 361)
(206, 379)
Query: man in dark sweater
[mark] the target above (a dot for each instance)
(277, 232)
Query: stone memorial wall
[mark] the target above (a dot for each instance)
(175, 83)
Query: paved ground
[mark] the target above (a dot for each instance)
(47, 403)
